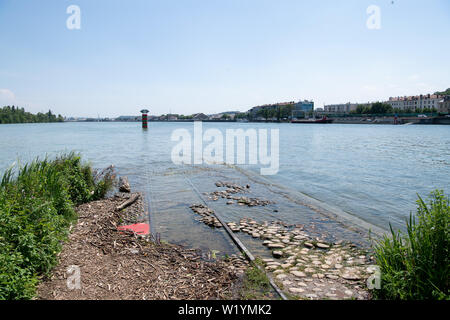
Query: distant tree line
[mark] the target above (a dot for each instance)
(443, 93)
(383, 108)
(14, 114)
(242, 115)
(279, 112)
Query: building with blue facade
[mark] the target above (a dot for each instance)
(302, 108)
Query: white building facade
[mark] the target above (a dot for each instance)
(343, 107)
(415, 102)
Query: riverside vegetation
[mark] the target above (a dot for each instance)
(14, 114)
(36, 211)
(416, 265)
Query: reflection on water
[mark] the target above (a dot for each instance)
(369, 173)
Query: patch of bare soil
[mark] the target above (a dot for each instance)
(124, 265)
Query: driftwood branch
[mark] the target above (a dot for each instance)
(129, 202)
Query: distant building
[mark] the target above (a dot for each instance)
(341, 108)
(344, 107)
(415, 102)
(301, 108)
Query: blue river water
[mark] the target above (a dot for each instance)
(371, 172)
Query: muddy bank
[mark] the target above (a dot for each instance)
(124, 265)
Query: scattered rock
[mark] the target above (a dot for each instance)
(278, 271)
(348, 292)
(351, 276)
(322, 245)
(277, 253)
(275, 246)
(298, 274)
(124, 185)
(296, 290)
(308, 245)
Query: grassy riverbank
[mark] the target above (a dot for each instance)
(416, 265)
(36, 210)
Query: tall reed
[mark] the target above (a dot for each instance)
(415, 264)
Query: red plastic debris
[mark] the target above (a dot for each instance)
(139, 228)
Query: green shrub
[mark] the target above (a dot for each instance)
(36, 210)
(416, 265)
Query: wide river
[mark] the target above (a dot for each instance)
(370, 172)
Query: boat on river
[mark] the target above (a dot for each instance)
(313, 120)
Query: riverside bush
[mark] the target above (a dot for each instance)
(416, 265)
(36, 210)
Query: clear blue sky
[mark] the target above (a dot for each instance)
(187, 56)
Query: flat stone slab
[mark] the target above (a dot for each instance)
(351, 276)
(298, 274)
(277, 254)
(275, 245)
(278, 271)
(296, 290)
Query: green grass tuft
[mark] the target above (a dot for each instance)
(415, 265)
(256, 284)
(36, 210)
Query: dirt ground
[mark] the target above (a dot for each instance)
(125, 266)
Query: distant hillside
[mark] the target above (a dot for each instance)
(446, 92)
(19, 115)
